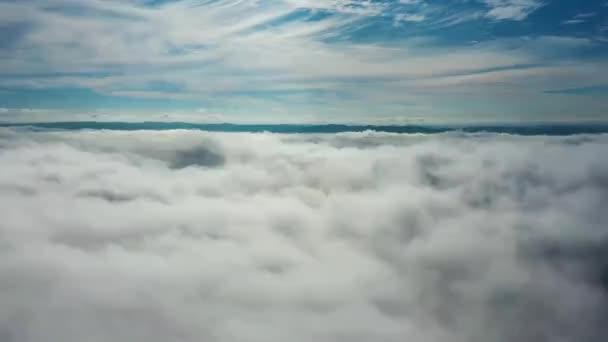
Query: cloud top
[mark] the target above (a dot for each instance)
(190, 236)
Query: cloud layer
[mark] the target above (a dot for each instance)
(190, 236)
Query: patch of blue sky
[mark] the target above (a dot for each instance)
(553, 19)
(457, 23)
(594, 90)
(297, 15)
(83, 11)
(53, 74)
(85, 99)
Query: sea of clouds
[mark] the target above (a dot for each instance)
(228, 237)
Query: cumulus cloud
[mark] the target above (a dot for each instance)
(190, 236)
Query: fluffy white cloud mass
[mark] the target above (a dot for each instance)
(193, 236)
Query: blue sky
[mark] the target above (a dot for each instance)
(398, 61)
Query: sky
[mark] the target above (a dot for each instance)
(292, 61)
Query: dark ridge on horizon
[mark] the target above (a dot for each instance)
(559, 129)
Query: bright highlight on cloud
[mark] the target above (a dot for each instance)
(193, 236)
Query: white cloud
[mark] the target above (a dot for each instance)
(223, 46)
(585, 15)
(361, 7)
(573, 22)
(512, 9)
(409, 17)
(579, 18)
(190, 236)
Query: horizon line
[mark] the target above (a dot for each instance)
(554, 129)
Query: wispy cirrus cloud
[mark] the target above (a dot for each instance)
(512, 9)
(303, 55)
